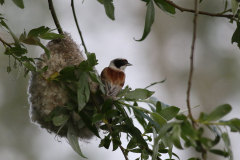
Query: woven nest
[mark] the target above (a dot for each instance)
(44, 96)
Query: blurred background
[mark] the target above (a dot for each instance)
(164, 54)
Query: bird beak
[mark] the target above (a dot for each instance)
(129, 64)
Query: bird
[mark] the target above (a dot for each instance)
(113, 77)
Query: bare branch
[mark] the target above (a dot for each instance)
(79, 31)
(191, 62)
(230, 16)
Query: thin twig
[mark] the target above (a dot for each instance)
(191, 62)
(122, 149)
(5, 43)
(230, 16)
(51, 8)
(204, 152)
(79, 31)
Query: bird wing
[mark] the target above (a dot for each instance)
(111, 89)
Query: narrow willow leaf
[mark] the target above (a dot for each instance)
(29, 66)
(142, 115)
(88, 122)
(47, 52)
(227, 142)
(97, 117)
(236, 35)
(138, 94)
(234, 4)
(49, 36)
(219, 152)
(59, 120)
(19, 3)
(5, 27)
(169, 113)
(116, 143)
(176, 137)
(1, 2)
(132, 143)
(155, 83)
(149, 19)
(159, 119)
(164, 6)
(155, 144)
(73, 139)
(107, 105)
(109, 8)
(135, 132)
(219, 112)
(38, 31)
(83, 91)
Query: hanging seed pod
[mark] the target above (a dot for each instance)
(44, 96)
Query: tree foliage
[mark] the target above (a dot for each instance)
(164, 126)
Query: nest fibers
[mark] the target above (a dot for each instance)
(45, 96)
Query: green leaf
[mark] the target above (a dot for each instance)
(91, 59)
(236, 35)
(124, 91)
(176, 137)
(219, 112)
(140, 119)
(226, 140)
(19, 3)
(88, 122)
(116, 143)
(155, 144)
(18, 51)
(132, 143)
(112, 113)
(47, 52)
(9, 69)
(71, 105)
(97, 117)
(5, 27)
(169, 113)
(219, 152)
(109, 8)
(49, 36)
(105, 142)
(155, 83)
(38, 31)
(29, 66)
(164, 6)
(67, 74)
(1, 2)
(135, 132)
(107, 105)
(149, 19)
(142, 115)
(95, 78)
(59, 120)
(73, 140)
(234, 4)
(83, 91)
(159, 119)
(188, 130)
(138, 94)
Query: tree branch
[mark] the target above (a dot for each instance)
(191, 62)
(203, 151)
(5, 43)
(51, 8)
(230, 16)
(79, 31)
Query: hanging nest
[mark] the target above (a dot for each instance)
(44, 96)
